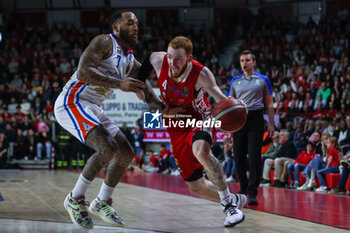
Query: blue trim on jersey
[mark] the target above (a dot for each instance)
(81, 108)
(266, 79)
(69, 114)
(232, 80)
(115, 38)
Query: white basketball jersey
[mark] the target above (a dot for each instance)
(117, 65)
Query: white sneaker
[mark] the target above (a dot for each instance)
(166, 171)
(175, 173)
(229, 179)
(321, 189)
(104, 210)
(76, 208)
(234, 215)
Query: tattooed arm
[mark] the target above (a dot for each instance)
(151, 98)
(98, 49)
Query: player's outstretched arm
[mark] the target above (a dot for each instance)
(151, 98)
(98, 49)
(206, 80)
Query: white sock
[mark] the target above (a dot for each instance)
(225, 196)
(81, 186)
(105, 192)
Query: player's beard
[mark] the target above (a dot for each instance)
(181, 72)
(129, 39)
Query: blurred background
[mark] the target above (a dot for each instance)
(302, 46)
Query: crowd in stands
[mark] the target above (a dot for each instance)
(307, 64)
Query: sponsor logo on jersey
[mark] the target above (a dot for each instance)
(87, 127)
(174, 90)
(184, 91)
(100, 90)
(114, 74)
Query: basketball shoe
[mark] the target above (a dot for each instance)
(234, 215)
(76, 208)
(241, 200)
(104, 210)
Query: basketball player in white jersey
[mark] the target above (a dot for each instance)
(104, 65)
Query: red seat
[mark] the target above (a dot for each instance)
(347, 186)
(332, 180)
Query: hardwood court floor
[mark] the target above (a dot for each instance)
(37, 206)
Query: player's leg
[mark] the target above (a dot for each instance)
(119, 162)
(205, 188)
(254, 151)
(106, 147)
(240, 157)
(82, 120)
(202, 187)
(202, 152)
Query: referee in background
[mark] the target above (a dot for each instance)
(255, 90)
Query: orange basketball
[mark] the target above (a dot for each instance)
(232, 113)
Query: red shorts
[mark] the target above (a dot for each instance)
(182, 148)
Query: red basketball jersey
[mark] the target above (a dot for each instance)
(184, 94)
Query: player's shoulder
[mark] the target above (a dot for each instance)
(103, 38)
(102, 41)
(157, 57)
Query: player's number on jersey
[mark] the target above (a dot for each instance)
(164, 84)
(118, 58)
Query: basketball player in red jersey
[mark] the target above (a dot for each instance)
(182, 82)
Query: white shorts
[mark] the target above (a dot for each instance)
(80, 116)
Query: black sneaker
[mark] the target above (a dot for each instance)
(345, 164)
(265, 182)
(252, 200)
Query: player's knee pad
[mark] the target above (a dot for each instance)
(202, 135)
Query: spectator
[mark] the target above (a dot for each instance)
(321, 167)
(316, 140)
(2, 124)
(19, 115)
(126, 132)
(230, 163)
(269, 157)
(63, 156)
(300, 164)
(331, 165)
(137, 141)
(344, 138)
(31, 140)
(10, 135)
(12, 105)
(163, 158)
(340, 189)
(285, 156)
(43, 139)
(3, 150)
(20, 146)
(25, 106)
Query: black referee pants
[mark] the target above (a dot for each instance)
(248, 142)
